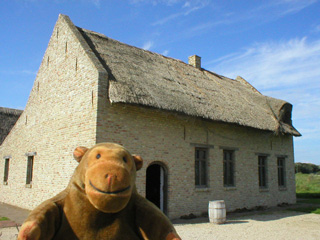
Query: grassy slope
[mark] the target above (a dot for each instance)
(308, 186)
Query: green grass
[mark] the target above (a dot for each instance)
(308, 185)
(308, 195)
(3, 218)
(308, 188)
(315, 210)
(311, 201)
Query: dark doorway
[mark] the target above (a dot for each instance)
(156, 186)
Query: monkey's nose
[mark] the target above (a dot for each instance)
(110, 178)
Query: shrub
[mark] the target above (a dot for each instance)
(306, 168)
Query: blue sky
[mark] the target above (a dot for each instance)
(273, 44)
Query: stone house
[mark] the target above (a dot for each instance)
(202, 136)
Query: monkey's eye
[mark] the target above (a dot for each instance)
(98, 156)
(125, 159)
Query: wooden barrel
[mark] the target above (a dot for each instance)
(217, 212)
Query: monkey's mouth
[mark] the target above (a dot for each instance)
(109, 192)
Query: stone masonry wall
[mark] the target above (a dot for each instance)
(59, 116)
(171, 139)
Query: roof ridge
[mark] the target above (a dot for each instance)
(11, 111)
(148, 51)
(247, 84)
(128, 45)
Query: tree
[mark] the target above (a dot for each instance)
(306, 168)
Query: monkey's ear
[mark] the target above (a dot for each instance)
(138, 161)
(79, 152)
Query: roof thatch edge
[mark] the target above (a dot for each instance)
(10, 111)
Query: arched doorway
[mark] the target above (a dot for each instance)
(156, 186)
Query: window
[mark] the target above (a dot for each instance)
(281, 171)
(228, 168)
(29, 170)
(201, 159)
(262, 168)
(6, 171)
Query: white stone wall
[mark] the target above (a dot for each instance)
(59, 116)
(171, 139)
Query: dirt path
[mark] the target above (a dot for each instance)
(270, 225)
(273, 224)
(261, 226)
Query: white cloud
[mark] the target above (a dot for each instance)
(194, 6)
(155, 2)
(264, 12)
(96, 2)
(167, 19)
(148, 45)
(272, 64)
(136, 1)
(288, 70)
(294, 6)
(188, 8)
(18, 72)
(186, 4)
(28, 72)
(316, 29)
(165, 53)
(275, 9)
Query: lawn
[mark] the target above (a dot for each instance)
(308, 192)
(311, 201)
(3, 218)
(308, 185)
(315, 210)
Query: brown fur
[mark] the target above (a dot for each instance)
(100, 202)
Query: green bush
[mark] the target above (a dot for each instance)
(306, 168)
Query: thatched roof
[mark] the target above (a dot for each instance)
(8, 117)
(137, 76)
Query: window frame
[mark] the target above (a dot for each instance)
(282, 183)
(30, 168)
(6, 170)
(201, 178)
(263, 171)
(229, 168)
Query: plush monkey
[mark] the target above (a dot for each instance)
(100, 202)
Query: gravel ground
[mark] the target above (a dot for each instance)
(9, 233)
(262, 225)
(270, 225)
